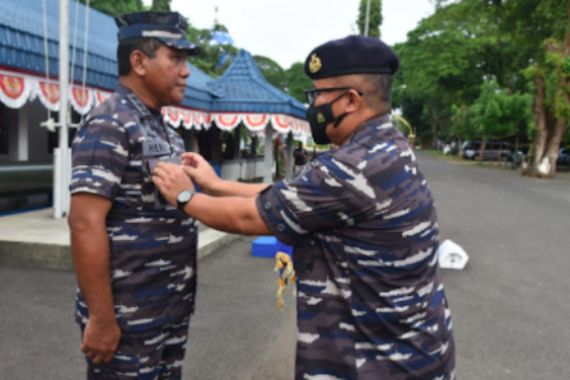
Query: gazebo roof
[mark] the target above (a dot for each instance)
(22, 46)
(243, 88)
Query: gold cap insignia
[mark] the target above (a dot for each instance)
(320, 118)
(315, 64)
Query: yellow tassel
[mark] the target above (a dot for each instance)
(286, 274)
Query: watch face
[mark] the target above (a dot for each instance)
(184, 196)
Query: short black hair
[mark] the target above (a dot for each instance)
(381, 89)
(148, 46)
(376, 88)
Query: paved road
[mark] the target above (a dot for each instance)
(511, 305)
(236, 332)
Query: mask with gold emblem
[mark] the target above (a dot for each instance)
(320, 116)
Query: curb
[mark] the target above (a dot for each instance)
(58, 256)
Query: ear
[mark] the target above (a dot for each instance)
(354, 101)
(138, 62)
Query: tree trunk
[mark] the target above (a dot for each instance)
(550, 125)
(550, 131)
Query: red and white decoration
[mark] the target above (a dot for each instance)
(189, 119)
(48, 93)
(101, 96)
(81, 99)
(16, 89)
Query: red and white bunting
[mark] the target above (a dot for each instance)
(189, 119)
(15, 90)
(101, 96)
(173, 116)
(48, 93)
(186, 119)
(81, 99)
(227, 121)
(280, 123)
(201, 120)
(255, 122)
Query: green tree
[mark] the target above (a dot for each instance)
(160, 5)
(448, 56)
(271, 70)
(549, 77)
(213, 58)
(375, 19)
(116, 7)
(296, 82)
(442, 64)
(497, 114)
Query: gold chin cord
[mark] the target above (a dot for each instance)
(285, 273)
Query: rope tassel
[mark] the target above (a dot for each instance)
(285, 273)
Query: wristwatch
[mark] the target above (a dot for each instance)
(183, 198)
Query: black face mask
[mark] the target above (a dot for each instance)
(320, 116)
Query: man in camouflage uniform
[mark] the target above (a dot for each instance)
(135, 255)
(370, 300)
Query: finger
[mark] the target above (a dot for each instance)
(108, 357)
(158, 170)
(97, 359)
(162, 171)
(190, 171)
(159, 182)
(191, 159)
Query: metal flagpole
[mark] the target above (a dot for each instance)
(367, 18)
(61, 155)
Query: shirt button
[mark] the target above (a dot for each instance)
(280, 227)
(267, 205)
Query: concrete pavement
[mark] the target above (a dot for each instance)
(37, 240)
(510, 306)
(236, 332)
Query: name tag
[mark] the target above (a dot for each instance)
(155, 147)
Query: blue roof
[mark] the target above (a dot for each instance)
(22, 46)
(243, 88)
(221, 38)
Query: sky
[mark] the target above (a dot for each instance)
(287, 30)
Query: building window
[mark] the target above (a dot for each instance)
(4, 130)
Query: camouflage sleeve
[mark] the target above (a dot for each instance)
(99, 157)
(328, 195)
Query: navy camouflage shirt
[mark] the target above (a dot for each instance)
(370, 300)
(152, 245)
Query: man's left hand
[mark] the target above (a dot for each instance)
(171, 180)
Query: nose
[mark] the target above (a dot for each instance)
(185, 72)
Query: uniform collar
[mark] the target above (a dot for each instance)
(134, 100)
(374, 122)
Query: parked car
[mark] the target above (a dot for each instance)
(563, 157)
(493, 151)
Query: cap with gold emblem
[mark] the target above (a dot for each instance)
(167, 27)
(351, 55)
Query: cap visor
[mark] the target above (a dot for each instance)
(182, 44)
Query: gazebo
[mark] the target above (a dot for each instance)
(244, 98)
(29, 88)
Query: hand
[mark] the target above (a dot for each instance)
(171, 179)
(201, 172)
(100, 340)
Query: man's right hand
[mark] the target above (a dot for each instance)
(201, 172)
(100, 339)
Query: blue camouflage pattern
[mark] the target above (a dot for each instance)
(151, 355)
(370, 299)
(152, 244)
